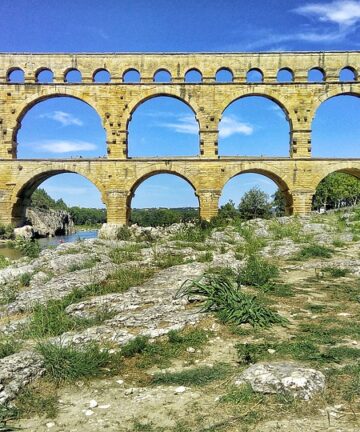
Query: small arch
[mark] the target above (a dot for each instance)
(285, 75)
(44, 76)
(131, 76)
(347, 74)
(193, 76)
(224, 75)
(162, 76)
(15, 75)
(22, 195)
(101, 76)
(255, 75)
(73, 76)
(316, 74)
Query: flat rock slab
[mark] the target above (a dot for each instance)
(290, 378)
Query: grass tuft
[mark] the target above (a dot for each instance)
(314, 251)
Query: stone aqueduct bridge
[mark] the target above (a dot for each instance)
(118, 176)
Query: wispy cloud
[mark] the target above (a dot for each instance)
(341, 12)
(62, 146)
(64, 118)
(329, 22)
(228, 126)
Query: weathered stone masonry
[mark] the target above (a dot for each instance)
(117, 176)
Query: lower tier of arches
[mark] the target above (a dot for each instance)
(117, 181)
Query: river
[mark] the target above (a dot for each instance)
(50, 242)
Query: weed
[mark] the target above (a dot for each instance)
(30, 248)
(219, 295)
(8, 346)
(336, 272)
(338, 243)
(252, 243)
(67, 363)
(125, 254)
(122, 280)
(87, 264)
(314, 251)
(8, 293)
(257, 272)
(290, 230)
(7, 413)
(197, 233)
(164, 261)
(135, 346)
(123, 233)
(4, 262)
(38, 401)
(195, 377)
(25, 279)
(205, 257)
(240, 395)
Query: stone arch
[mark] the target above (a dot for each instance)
(193, 70)
(99, 70)
(24, 189)
(156, 92)
(15, 69)
(165, 71)
(220, 71)
(283, 71)
(350, 69)
(317, 69)
(259, 73)
(72, 69)
(151, 173)
(131, 70)
(330, 169)
(26, 106)
(40, 70)
(280, 180)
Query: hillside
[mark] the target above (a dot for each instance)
(112, 344)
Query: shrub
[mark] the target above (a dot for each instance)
(197, 233)
(336, 272)
(314, 251)
(30, 248)
(6, 232)
(257, 272)
(135, 346)
(4, 262)
(219, 295)
(123, 233)
(205, 257)
(254, 204)
(8, 346)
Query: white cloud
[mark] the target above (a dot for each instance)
(227, 127)
(341, 12)
(63, 146)
(183, 124)
(230, 126)
(64, 118)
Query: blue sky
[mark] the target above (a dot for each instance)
(254, 126)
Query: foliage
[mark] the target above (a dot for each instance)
(218, 294)
(314, 251)
(135, 346)
(279, 203)
(257, 272)
(4, 262)
(7, 413)
(41, 401)
(163, 216)
(6, 232)
(254, 204)
(123, 233)
(194, 233)
(8, 346)
(25, 279)
(30, 248)
(80, 215)
(67, 363)
(337, 190)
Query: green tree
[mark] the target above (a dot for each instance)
(279, 203)
(337, 190)
(254, 204)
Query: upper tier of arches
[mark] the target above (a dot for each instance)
(223, 74)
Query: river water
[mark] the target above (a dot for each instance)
(50, 242)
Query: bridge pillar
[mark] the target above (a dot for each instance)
(117, 143)
(117, 207)
(208, 202)
(302, 201)
(301, 143)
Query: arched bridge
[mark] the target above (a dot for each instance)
(117, 176)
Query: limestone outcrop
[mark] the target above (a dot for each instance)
(48, 223)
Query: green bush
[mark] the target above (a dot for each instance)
(257, 272)
(135, 346)
(218, 294)
(30, 248)
(8, 346)
(25, 279)
(314, 251)
(123, 233)
(4, 262)
(6, 232)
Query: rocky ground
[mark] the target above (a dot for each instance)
(153, 362)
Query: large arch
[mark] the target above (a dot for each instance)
(331, 169)
(22, 192)
(151, 175)
(268, 106)
(179, 117)
(335, 118)
(276, 178)
(29, 104)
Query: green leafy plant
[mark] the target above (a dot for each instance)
(257, 272)
(314, 251)
(30, 248)
(218, 294)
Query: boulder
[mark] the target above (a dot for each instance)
(25, 232)
(300, 382)
(109, 231)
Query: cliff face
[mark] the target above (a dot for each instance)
(48, 223)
